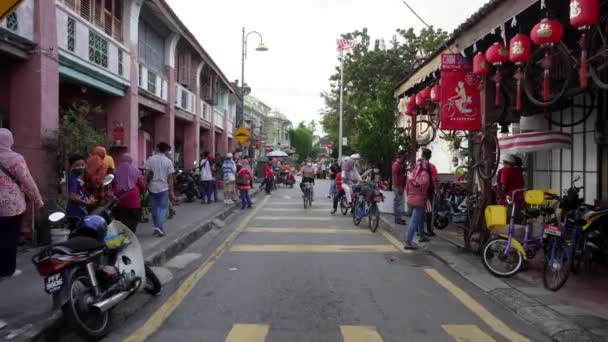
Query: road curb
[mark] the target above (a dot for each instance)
(53, 323)
(547, 320)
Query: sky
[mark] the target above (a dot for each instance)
(301, 37)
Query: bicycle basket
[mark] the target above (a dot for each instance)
(496, 216)
(357, 188)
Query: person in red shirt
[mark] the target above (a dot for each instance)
(398, 178)
(243, 184)
(427, 154)
(339, 189)
(268, 178)
(511, 179)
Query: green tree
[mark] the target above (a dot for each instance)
(301, 140)
(371, 73)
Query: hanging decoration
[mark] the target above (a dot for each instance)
(519, 53)
(546, 33)
(436, 93)
(583, 15)
(420, 101)
(410, 108)
(460, 95)
(496, 55)
(480, 65)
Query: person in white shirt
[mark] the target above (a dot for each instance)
(206, 167)
(159, 172)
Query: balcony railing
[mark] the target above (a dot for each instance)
(152, 82)
(91, 45)
(184, 98)
(219, 119)
(205, 111)
(21, 21)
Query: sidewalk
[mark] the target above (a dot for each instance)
(559, 315)
(28, 309)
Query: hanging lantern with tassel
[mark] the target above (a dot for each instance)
(583, 15)
(496, 55)
(546, 33)
(519, 53)
(420, 101)
(480, 65)
(436, 93)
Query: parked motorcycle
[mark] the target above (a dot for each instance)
(100, 266)
(187, 185)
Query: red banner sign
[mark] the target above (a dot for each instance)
(460, 95)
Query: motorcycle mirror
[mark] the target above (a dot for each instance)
(108, 179)
(56, 216)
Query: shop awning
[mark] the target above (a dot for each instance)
(534, 142)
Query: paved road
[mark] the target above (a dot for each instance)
(282, 273)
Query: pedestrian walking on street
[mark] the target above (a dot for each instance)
(268, 178)
(207, 180)
(16, 187)
(398, 178)
(218, 174)
(333, 171)
(160, 171)
(229, 170)
(430, 195)
(128, 186)
(243, 182)
(417, 184)
(338, 188)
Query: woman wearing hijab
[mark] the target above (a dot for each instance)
(16, 186)
(96, 170)
(416, 187)
(128, 185)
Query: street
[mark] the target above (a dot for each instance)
(281, 273)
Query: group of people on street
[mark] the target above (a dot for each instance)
(234, 175)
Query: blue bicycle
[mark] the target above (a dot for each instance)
(366, 205)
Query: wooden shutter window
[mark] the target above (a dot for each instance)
(71, 4)
(85, 9)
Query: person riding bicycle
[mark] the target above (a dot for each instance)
(308, 175)
(350, 175)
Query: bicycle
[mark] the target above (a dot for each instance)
(344, 205)
(307, 196)
(504, 255)
(367, 206)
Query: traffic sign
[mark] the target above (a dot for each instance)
(242, 134)
(7, 7)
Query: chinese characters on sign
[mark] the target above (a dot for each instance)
(460, 95)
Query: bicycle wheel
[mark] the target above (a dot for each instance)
(374, 217)
(489, 156)
(357, 212)
(425, 132)
(576, 105)
(580, 253)
(343, 206)
(557, 265)
(556, 60)
(598, 56)
(305, 198)
(495, 260)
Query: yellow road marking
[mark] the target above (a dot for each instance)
(304, 218)
(161, 315)
(360, 333)
(497, 325)
(313, 248)
(248, 333)
(291, 210)
(467, 333)
(393, 240)
(308, 231)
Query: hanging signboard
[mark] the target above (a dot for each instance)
(460, 95)
(7, 7)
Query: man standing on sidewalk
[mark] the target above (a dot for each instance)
(159, 172)
(206, 178)
(427, 154)
(398, 177)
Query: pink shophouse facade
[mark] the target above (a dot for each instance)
(134, 58)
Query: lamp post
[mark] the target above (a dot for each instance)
(260, 47)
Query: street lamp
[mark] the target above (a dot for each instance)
(261, 47)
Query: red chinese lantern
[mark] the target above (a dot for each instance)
(547, 31)
(410, 108)
(480, 64)
(584, 14)
(419, 99)
(436, 93)
(118, 134)
(426, 93)
(496, 55)
(519, 53)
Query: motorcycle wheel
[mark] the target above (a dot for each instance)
(499, 264)
(153, 285)
(557, 268)
(441, 222)
(77, 310)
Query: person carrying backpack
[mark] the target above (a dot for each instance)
(430, 195)
(243, 183)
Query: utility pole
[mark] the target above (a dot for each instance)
(341, 106)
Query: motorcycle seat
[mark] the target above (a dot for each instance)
(77, 245)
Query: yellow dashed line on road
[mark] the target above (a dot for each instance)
(467, 333)
(161, 315)
(313, 248)
(360, 333)
(492, 321)
(308, 231)
(248, 333)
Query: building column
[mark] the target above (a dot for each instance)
(34, 100)
(224, 141)
(211, 135)
(192, 138)
(164, 125)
